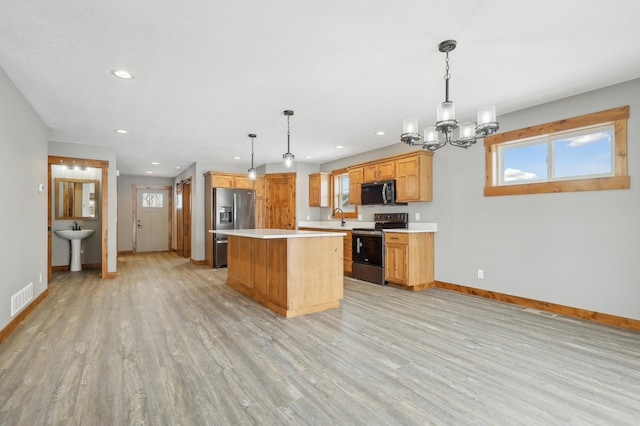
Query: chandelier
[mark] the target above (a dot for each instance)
(446, 121)
(252, 170)
(288, 157)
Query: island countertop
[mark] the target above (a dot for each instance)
(274, 233)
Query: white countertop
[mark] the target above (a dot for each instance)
(275, 233)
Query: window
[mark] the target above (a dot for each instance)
(577, 154)
(340, 192)
(152, 200)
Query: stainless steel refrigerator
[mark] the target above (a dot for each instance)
(232, 209)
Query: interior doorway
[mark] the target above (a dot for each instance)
(152, 207)
(103, 204)
(183, 218)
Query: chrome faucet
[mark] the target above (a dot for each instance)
(338, 209)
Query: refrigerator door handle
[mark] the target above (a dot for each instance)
(235, 209)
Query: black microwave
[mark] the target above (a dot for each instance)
(382, 192)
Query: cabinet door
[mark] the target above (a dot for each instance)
(243, 182)
(386, 170)
(355, 182)
(260, 203)
(408, 179)
(370, 172)
(314, 190)
(222, 181)
(348, 254)
(413, 178)
(395, 268)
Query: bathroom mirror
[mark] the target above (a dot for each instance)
(76, 198)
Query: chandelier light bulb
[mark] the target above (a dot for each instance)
(468, 130)
(486, 114)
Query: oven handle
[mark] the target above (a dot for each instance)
(367, 233)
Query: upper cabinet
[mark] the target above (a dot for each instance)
(413, 177)
(355, 182)
(319, 190)
(382, 170)
(411, 171)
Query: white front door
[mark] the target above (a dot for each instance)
(152, 227)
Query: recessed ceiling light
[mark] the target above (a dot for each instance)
(308, 156)
(122, 74)
(149, 172)
(236, 158)
(339, 146)
(380, 133)
(121, 131)
(155, 163)
(178, 167)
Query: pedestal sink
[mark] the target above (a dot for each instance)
(75, 237)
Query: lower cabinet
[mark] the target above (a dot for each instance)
(409, 260)
(348, 250)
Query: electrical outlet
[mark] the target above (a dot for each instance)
(308, 217)
(481, 274)
(328, 217)
(40, 277)
(360, 217)
(417, 217)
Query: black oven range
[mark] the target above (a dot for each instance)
(368, 246)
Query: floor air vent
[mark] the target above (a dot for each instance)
(21, 298)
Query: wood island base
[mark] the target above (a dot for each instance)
(291, 276)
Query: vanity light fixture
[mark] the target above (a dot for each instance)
(252, 170)
(446, 121)
(288, 157)
(124, 74)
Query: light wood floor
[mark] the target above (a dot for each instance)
(167, 342)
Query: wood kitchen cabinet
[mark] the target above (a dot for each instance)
(355, 182)
(214, 179)
(413, 177)
(382, 170)
(409, 260)
(347, 248)
(412, 172)
(319, 190)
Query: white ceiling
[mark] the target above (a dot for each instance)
(208, 72)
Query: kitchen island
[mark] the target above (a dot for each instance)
(291, 272)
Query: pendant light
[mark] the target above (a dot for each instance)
(288, 157)
(446, 120)
(252, 170)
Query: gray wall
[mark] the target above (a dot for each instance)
(90, 152)
(23, 149)
(125, 206)
(578, 249)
